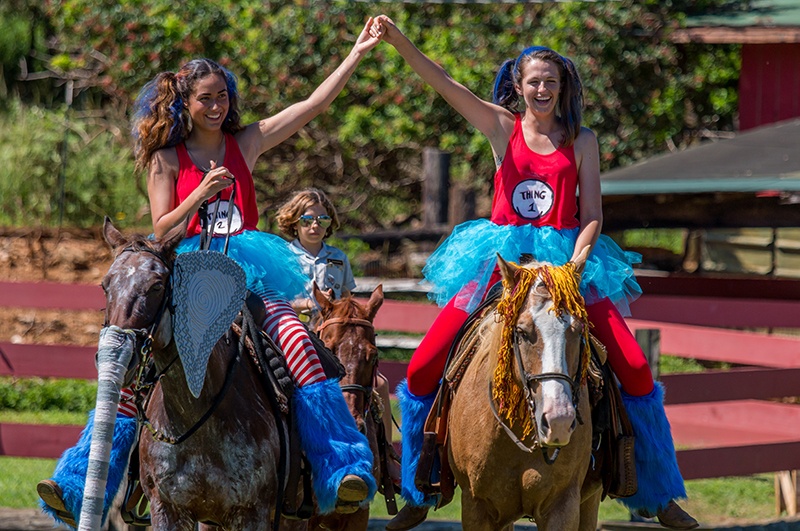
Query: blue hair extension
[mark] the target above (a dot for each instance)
(503, 93)
(143, 106)
(176, 132)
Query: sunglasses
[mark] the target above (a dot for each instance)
(306, 220)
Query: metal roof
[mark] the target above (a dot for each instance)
(759, 160)
(758, 13)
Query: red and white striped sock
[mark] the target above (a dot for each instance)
(127, 406)
(283, 326)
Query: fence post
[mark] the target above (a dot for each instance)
(786, 492)
(650, 342)
(435, 187)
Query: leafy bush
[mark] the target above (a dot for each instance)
(98, 178)
(37, 394)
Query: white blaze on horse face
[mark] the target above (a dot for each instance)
(555, 413)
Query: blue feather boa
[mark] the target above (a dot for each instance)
(414, 410)
(332, 443)
(70, 471)
(657, 472)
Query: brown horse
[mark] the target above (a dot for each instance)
(225, 473)
(520, 423)
(346, 328)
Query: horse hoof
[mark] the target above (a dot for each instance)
(352, 489)
(409, 517)
(52, 496)
(674, 517)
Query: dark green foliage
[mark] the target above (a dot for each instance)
(644, 94)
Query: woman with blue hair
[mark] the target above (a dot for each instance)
(543, 156)
(199, 160)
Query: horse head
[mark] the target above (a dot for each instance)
(542, 360)
(137, 288)
(346, 327)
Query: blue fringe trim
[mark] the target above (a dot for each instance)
(70, 471)
(657, 472)
(414, 411)
(332, 443)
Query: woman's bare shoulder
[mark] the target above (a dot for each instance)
(165, 162)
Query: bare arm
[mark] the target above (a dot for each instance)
(587, 156)
(258, 137)
(496, 122)
(161, 178)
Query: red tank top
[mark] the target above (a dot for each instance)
(535, 189)
(245, 213)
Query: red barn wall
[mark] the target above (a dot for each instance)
(769, 86)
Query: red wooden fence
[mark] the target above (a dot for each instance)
(723, 422)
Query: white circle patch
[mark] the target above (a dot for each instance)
(532, 199)
(218, 217)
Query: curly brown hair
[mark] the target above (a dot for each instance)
(289, 213)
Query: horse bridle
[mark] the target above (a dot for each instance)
(146, 334)
(354, 388)
(528, 379)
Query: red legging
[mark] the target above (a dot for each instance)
(624, 354)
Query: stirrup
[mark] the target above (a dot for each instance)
(135, 508)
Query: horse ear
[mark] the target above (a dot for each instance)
(175, 236)
(325, 304)
(375, 301)
(113, 237)
(580, 261)
(507, 269)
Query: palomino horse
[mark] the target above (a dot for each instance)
(526, 383)
(225, 472)
(346, 328)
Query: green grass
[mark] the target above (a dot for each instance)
(710, 500)
(18, 478)
(715, 501)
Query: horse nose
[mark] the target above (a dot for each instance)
(556, 425)
(361, 425)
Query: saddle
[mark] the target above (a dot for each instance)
(612, 433)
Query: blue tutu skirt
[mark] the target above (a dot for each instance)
(461, 266)
(270, 265)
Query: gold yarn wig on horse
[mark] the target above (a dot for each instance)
(563, 284)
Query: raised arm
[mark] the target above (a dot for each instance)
(492, 120)
(269, 132)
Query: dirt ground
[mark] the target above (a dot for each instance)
(33, 256)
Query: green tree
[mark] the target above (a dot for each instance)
(644, 94)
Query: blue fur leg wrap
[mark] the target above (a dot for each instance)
(657, 472)
(414, 411)
(332, 443)
(70, 472)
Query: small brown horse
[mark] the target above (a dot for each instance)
(502, 477)
(346, 329)
(225, 473)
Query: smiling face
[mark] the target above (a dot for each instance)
(209, 103)
(540, 86)
(311, 236)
